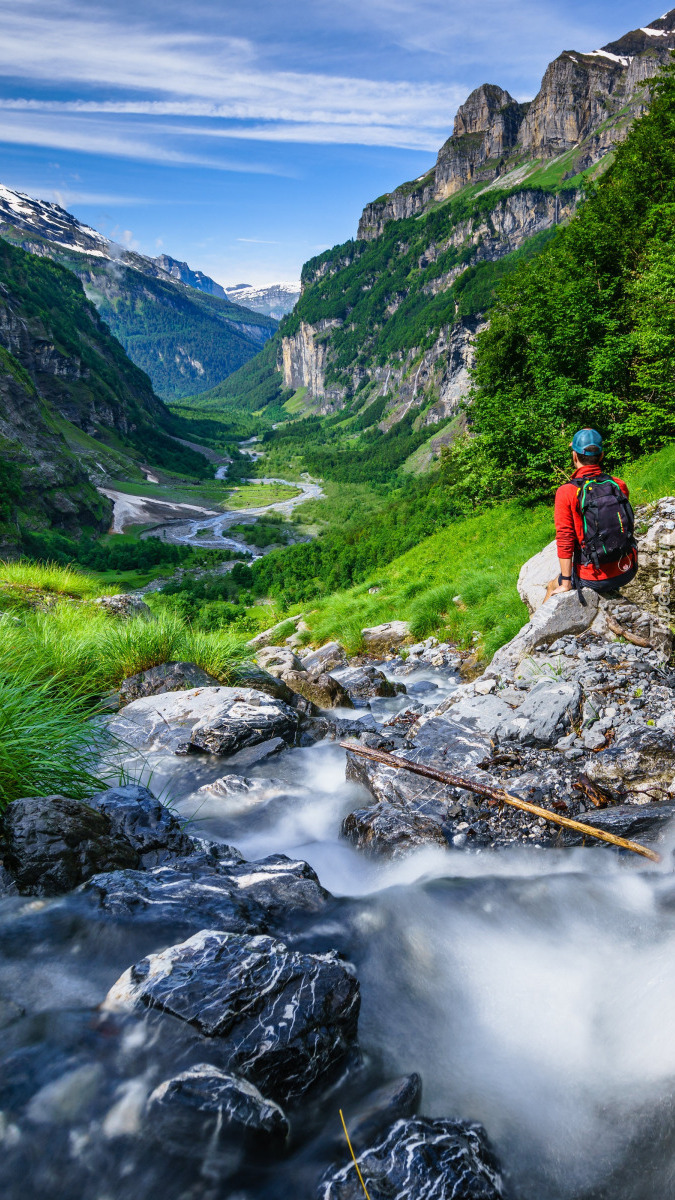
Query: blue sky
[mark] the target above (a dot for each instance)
(245, 138)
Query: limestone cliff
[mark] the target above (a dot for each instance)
(584, 108)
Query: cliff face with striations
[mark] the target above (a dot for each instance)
(583, 108)
(386, 323)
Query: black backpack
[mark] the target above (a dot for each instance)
(608, 521)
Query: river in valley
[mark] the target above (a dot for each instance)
(533, 990)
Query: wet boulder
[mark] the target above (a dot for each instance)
(207, 1114)
(639, 767)
(364, 683)
(50, 844)
(410, 811)
(150, 827)
(218, 720)
(282, 1018)
(201, 891)
(326, 658)
(176, 897)
(434, 1158)
(392, 830)
(644, 822)
(392, 1102)
(167, 677)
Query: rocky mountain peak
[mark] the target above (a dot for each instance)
(477, 113)
(582, 110)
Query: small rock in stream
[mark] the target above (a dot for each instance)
(435, 1159)
(282, 1019)
(151, 828)
(196, 892)
(207, 1114)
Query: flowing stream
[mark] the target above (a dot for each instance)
(533, 989)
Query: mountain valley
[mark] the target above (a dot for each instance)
(176, 324)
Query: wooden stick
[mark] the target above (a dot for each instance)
(499, 794)
(630, 637)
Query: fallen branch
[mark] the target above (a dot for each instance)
(499, 795)
(630, 637)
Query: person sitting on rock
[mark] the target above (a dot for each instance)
(593, 524)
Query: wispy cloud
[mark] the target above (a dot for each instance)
(103, 138)
(127, 64)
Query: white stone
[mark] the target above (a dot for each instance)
(484, 686)
(536, 574)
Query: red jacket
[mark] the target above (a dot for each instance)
(569, 533)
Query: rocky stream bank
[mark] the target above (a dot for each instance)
(187, 1018)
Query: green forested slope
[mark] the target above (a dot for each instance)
(70, 399)
(585, 334)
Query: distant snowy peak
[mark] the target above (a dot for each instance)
(33, 218)
(50, 221)
(275, 301)
(660, 32)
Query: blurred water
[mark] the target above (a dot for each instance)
(534, 990)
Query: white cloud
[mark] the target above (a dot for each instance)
(115, 140)
(163, 73)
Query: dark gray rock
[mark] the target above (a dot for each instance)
(199, 892)
(392, 830)
(150, 827)
(167, 677)
(364, 683)
(411, 811)
(283, 1019)
(250, 755)
(206, 1114)
(640, 764)
(435, 1159)
(176, 898)
(51, 844)
(641, 821)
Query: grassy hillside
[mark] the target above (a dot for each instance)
(460, 583)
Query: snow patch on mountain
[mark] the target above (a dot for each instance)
(275, 300)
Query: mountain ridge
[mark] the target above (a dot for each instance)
(177, 324)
